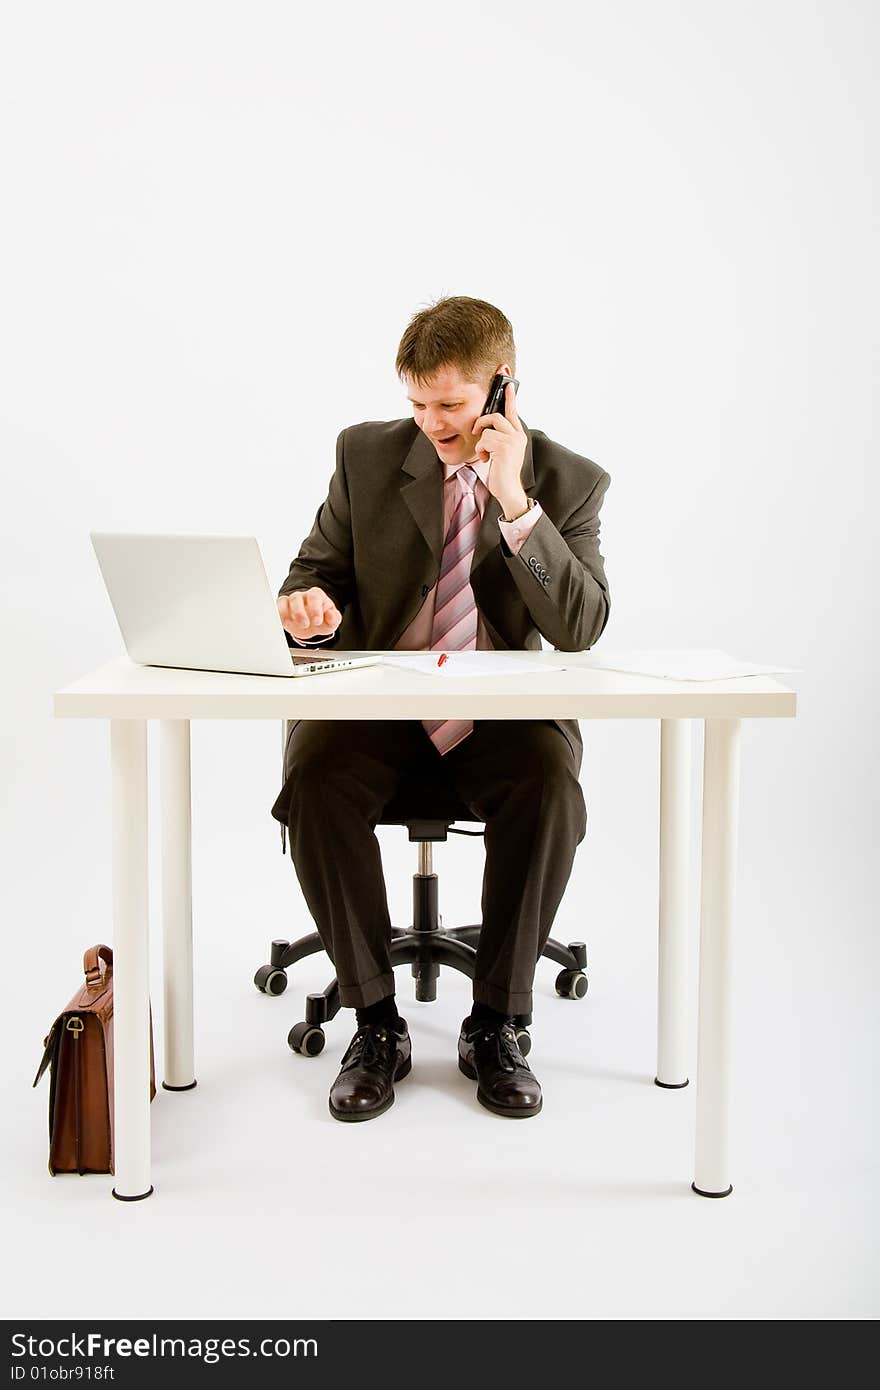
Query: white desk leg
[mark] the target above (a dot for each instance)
(175, 800)
(672, 954)
(720, 802)
(131, 960)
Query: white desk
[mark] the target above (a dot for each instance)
(128, 695)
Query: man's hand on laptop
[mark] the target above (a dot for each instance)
(308, 613)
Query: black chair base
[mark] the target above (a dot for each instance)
(426, 947)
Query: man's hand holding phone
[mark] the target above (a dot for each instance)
(308, 613)
(502, 439)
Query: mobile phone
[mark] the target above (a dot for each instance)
(497, 391)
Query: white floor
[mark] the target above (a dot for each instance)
(264, 1206)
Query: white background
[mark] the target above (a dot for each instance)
(218, 219)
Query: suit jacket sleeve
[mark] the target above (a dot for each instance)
(561, 575)
(325, 557)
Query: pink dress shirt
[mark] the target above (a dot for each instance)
(417, 637)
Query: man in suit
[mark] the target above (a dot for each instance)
(447, 531)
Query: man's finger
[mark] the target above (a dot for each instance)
(324, 613)
(310, 608)
(495, 419)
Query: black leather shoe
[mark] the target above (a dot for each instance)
(376, 1057)
(489, 1054)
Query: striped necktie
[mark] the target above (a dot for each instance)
(454, 628)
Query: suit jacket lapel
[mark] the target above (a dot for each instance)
(423, 495)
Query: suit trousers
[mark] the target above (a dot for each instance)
(520, 777)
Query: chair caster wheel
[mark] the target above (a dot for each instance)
(571, 984)
(523, 1041)
(306, 1039)
(270, 980)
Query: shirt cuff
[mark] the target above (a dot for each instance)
(312, 641)
(515, 532)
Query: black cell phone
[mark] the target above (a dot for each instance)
(495, 398)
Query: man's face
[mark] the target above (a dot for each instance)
(445, 409)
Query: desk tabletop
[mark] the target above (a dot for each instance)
(121, 689)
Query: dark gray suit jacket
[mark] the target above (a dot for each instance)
(376, 544)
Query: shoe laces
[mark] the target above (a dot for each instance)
(368, 1047)
(501, 1045)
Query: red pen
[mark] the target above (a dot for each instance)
(442, 659)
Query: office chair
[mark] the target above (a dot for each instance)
(427, 806)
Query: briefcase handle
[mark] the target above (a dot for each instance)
(91, 966)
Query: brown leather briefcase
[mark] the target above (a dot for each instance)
(79, 1050)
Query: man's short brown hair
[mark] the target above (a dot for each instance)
(456, 332)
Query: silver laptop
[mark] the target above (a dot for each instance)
(203, 603)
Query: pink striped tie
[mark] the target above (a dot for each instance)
(454, 628)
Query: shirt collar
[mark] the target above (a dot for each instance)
(481, 468)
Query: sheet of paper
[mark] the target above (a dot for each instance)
(695, 665)
(470, 664)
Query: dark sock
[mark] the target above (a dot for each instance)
(383, 1011)
(481, 1013)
